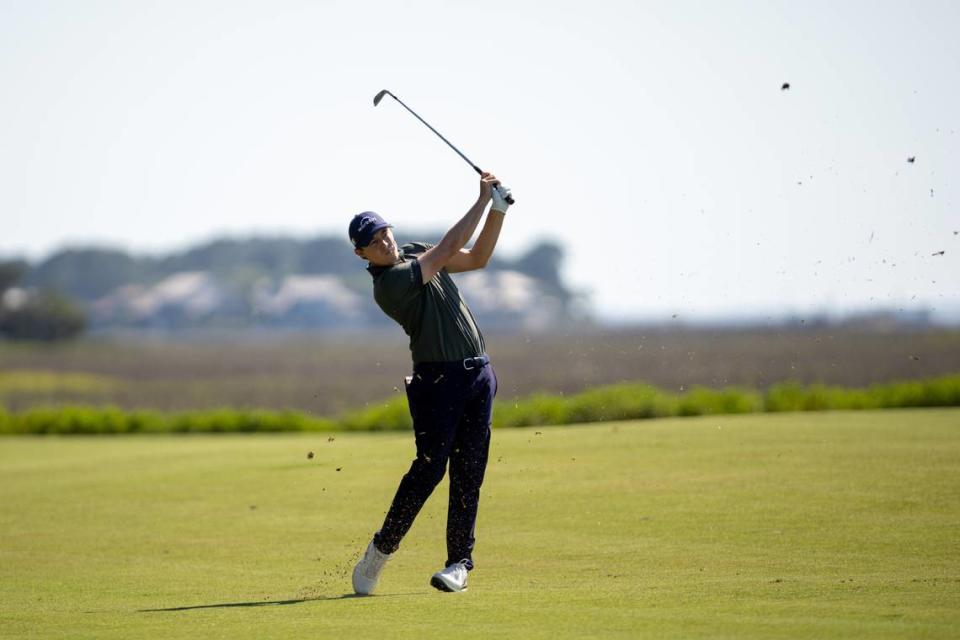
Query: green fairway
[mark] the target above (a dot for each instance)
(797, 525)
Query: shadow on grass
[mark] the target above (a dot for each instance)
(265, 603)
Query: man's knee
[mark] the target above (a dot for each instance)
(428, 471)
(467, 474)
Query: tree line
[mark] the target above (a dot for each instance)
(48, 299)
(44, 314)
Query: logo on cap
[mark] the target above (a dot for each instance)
(363, 226)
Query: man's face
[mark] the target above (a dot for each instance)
(382, 250)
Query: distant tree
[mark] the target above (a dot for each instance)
(87, 274)
(10, 273)
(543, 262)
(46, 316)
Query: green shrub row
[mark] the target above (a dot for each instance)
(936, 392)
(625, 402)
(602, 404)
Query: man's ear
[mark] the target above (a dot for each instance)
(359, 252)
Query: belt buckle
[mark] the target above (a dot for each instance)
(471, 361)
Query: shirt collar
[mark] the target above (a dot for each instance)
(376, 270)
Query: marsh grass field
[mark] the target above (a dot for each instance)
(825, 525)
(318, 374)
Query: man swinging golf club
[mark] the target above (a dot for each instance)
(453, 385)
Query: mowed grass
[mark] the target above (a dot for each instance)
(799, 526)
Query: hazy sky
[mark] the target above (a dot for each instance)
(652, 139)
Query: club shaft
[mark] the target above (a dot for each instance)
(439, 135)
(376, 100)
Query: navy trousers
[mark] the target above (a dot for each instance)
(451, 408)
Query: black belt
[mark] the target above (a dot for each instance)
(476, 363)
(469, 364)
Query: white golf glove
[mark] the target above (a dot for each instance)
(499, 195)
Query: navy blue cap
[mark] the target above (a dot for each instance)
(363, 226)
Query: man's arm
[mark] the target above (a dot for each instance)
(477, 256)
(437, 257)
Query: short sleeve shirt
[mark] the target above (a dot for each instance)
(434, 314)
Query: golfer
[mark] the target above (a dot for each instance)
(452, 387)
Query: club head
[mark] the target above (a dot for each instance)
(377, 98)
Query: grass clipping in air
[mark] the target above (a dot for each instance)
(786, 525)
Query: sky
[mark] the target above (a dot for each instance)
(652, 140)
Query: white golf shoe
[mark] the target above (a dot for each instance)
(368, 569)
(453, 578)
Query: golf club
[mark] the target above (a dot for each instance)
(376, 100)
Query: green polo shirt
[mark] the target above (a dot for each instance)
(434, 314)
